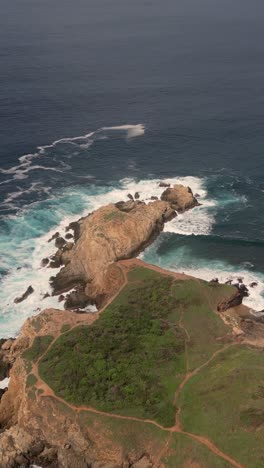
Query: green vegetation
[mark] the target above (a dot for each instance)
(66, 327)
(186, 452)
(31, 380)
(39, 346)
(198, 300)
(130, 360)
(225, 402)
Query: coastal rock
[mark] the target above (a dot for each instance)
(24, 296)
(60, 242)
(153, 197)
(112, 233)
(130, 197)
(136, 196)
(164, 185)
(75, 227)
(232, 301)
(253, 284)
(180, 198)
(76, 300)
(44, 262)
(55, 236)
(68, 236)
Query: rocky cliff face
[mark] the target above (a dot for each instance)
(112, 233)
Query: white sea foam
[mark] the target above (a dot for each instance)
(20, 171)
(4, 383)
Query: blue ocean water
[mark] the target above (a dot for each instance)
(99, 99)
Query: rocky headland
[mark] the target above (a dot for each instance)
(41, 424)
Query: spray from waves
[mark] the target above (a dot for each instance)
(24, 242)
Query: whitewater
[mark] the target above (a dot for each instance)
(32, 211)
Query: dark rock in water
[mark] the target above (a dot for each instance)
(243, 290)
(57, 234)
(154, 198)
(240, 280)
(76, 300)
(4, 367)
(60, 242)
(164, 185)
(228, 282)
(2, 391)
(19, 268)
(46, 295)
(136, 196)
(61, 298)
(24, 296)
(214, 280)
(75, 227)
(55, 261)
(197, 195)
(130, 196)
(253, 284)
(44, 262)
(69, 236)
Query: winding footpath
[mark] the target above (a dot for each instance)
(47, 392)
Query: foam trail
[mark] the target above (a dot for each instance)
(21, 171)
(132, 130)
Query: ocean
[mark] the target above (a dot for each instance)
(102, 99)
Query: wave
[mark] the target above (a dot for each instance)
(21, 170)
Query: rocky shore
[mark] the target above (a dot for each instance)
(90, 254)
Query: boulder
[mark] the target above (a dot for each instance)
(24, 296)
(76, 300)
(75, 227)
(164, 185)
(60, 242)
(68, 236)
(44, 262)
(232, 301)
(136, 196)
(55, 236)
(154, 197)
(130, 196)
(253, 284)
(180, 198)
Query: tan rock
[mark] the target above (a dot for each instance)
(112, 233)
(180, 198)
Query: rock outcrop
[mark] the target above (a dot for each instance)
(180, 197)
(112, 233)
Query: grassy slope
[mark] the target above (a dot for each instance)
(225, 402)
(132, 359)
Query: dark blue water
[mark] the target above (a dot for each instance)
(191, 73)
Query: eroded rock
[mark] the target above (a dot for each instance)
(24, 296)
(180, 198)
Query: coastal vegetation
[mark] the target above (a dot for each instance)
(133, 358)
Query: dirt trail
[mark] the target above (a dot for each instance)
(47, 392)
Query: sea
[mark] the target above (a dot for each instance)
(100, 99)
